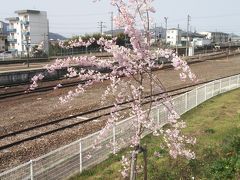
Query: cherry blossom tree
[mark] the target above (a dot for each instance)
(132, 77)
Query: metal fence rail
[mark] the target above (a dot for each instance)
(79, 155)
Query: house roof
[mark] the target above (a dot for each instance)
(221, 33)
(174, 29)
(213, 32)
(192, 34)
(27, 11)
(12, 19)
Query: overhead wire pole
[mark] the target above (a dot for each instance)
(46, 44)
(166, 27)
(101, 26)
(101, 32)
(111, 24)
(187, 42)
(155, 31)
(28, 44)
(178, 29)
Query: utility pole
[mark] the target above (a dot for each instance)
(177, 39)
(166, 26)
(112, 24)
(187, 42)
(101, 26)
(46, 44)
(155, 36)
(28, 44)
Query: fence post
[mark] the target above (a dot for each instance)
(205, 89)
(158, 116)
(220, 86)
(114, 138)
(80, 156)
(229, 79)
(238, 83)
(196, 96)
(31, 169)
(186, 101)
(213, 88)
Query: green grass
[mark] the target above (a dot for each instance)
(215, 124)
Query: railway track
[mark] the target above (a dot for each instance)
(64, 85)
(50, 87)
(54, 126)
(37, 90)
(8, 140)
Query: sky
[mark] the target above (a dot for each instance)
(76, 17)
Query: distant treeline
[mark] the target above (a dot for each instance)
(56, 50)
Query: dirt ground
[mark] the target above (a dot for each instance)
(26, 111)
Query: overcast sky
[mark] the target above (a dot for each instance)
(73, 17)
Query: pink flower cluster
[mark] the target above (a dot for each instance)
(180, 64)
(126, 167)
(76, 43)
(35, 79)
(176, 142)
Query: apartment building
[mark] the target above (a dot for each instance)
(3, 37)
(173, 36)
(216, 37)
(28, 29)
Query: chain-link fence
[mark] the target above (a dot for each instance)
(79, 155)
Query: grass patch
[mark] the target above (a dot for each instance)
(215, 124)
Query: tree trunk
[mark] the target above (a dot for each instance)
(133, 173)
(136, 151)
(145, 162)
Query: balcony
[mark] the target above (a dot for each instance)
(24, 42)
(26, 33)
(11, 30)
(11, 49)
(25, 22)
(11, 39)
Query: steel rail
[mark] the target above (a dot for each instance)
(9, 145)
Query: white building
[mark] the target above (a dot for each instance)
(216, 37)
(173, 37)
(201, 42)
(27, 30)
